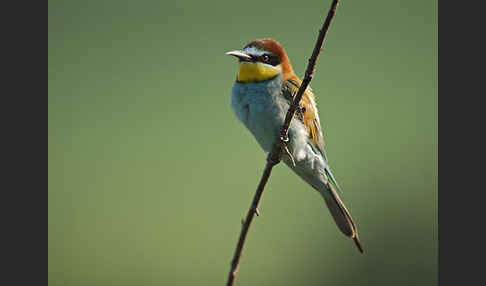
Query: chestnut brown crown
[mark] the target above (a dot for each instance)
(275, 48)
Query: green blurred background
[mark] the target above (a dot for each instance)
(150, 172)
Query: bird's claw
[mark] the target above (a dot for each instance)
(300, 111)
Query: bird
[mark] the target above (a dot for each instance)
(260, 98)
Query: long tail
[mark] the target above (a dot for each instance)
(340, 214)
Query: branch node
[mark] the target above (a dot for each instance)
(283, 145)
(273, 159)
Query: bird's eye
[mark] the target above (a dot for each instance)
(264, 58)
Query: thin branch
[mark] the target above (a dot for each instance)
(280, 146)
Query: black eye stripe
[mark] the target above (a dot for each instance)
(273, 60)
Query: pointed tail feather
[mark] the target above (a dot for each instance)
(341, 215)
(333, 180)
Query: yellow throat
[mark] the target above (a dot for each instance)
(253, 72)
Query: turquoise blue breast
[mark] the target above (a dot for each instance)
(260, 107)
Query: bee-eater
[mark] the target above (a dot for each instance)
(261, 96)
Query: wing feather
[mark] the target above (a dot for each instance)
(310, 118)
(308, 115)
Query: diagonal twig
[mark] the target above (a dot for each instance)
(280, 146)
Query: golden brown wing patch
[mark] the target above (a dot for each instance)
(309, 114)
(310, 117)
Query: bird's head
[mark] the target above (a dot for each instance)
(261, 60)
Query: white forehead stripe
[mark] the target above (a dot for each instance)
(253, 51)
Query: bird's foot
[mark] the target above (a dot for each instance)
(300, 110)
